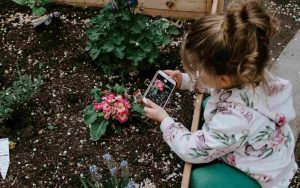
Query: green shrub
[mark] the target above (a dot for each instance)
(20, 91)
(37, 6)
(120, 40)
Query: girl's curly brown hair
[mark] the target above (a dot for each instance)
(235, 43)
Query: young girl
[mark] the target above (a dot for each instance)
(247, 115)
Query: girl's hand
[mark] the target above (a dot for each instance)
(176, 75)
(155, 112)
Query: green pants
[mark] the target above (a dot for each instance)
(220, 175)
(217, 174)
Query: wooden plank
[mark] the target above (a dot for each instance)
(221, 6)
(214, 7)
(172, 14)
(85, 3)
(185, 9)
(195, 125)
(208, 7)
(181, 5)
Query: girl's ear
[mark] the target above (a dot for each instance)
(225, 81)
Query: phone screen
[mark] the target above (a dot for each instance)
(160, 90)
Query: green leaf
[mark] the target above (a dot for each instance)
(173, 30)
(96, 94)
(92, 34)
(135, 29)
(108, 47)
(138, 108)
(90, 117)
(83, 183)
(166, 40)
(94, 53)
(98, 128)
(146, 46)
(109, 87)
(119, 54)
(119, 89)
(39, 11)
(20, 2)
(141, 21)
(117, 38)
(125, 16)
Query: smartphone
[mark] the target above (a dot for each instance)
(160, 89)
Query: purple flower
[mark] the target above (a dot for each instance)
(107, 157)
(131, 184)
(93, 169)
(131, 3)
(123, 164)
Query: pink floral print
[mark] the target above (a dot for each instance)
(275, 88)
(277, 139)
(231, 159)
(260, 177)
(171, 131)
(280, 119)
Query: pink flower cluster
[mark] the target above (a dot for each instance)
(159, 85)
(277, 139)
(114, 106)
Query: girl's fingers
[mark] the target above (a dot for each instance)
(169, 72)
(151, 104)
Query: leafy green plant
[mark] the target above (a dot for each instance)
(120, 40)
(20, 91)
(119, 175)
(113, 106)
(37, 6)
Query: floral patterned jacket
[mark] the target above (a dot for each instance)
(247, 128)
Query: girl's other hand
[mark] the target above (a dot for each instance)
(176, 75)
(155, 112)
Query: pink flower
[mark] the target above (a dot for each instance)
(231, 159)
(107, 115)
(126, 103)
(105, 106)
(119, 97)
(277, 138)
(119, 107)
(281, 120)
(159, 85)
(97, 105)
(110, 98)
(122, 117)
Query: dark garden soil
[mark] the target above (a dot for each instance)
(53, 146)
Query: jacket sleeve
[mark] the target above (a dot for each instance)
(187, 82)
(220, 136)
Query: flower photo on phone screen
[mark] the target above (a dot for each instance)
(160, 91)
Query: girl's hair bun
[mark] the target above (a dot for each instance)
(250, 11)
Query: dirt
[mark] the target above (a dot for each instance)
(57, 157)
